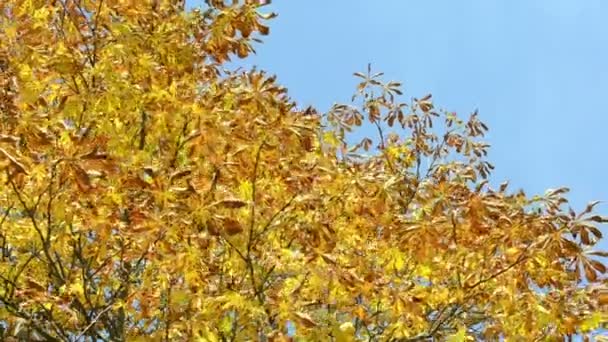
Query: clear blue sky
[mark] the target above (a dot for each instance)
(536, 70)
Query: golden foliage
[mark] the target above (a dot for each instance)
(148, 194)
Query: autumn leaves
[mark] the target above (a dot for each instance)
(153, 195)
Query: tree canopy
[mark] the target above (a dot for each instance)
(150, 192)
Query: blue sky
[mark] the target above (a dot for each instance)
(536, 70)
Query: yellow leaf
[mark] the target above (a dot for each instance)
(180, 297)
(592, 322)
(459, 336)
(345, 333)
(246, 190)
(10, 31)
(76, 288)
(398, 260)
(512, 251)
(425, 271)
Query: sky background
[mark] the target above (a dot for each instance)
(536, 70)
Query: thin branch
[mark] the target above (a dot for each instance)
(77, 27)
(142, 130)
(381, 134)
(274, 216)
(455, 240)
(20, 270)
(250, 241)
(93, 322)
(94, 30)
(168, 312)
(253, 195)
(7, 212)
(441, 322)
(45, 242)
(214, 180)
(521, 258)
(236, 249)
(179, 143)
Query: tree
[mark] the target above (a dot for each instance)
(149, 194)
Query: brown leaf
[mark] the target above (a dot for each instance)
(179, 174)
(374, 113)
(82, 178)
(135, 182)
(585, 236)
(231, 203)
(62, 102)
(595, 231)
(192, 135)
(590, 206)
(9, 138)
(242, 51)
(232, 226)
(306, 143)
(95, 154)
(589, 272)
(264, 30)
(600, 267)
(554, 192)
(14, 162)
(425, 106)
(598, 219)
(328, 259)
(32, 285)
(599, 253)
(141, 228)
(305, 319)
(212, 227)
